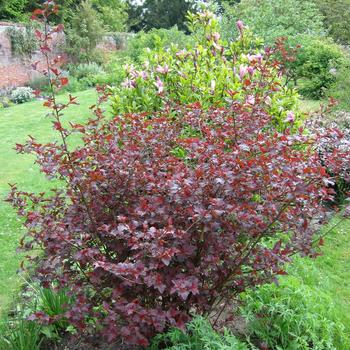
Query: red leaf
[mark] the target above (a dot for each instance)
(38, 12)
(64, 81)
(57, 126)
(60, 28)
(55, 71)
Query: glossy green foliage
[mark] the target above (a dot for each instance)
(210, 72)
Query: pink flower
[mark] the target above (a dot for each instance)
(255, 58)
(129, 84)
(212, 86)
(181, 54)
(142, 74)
(216, 37)
(251, 70)
(130, 69)
(250, 100)
(268, 100)
(242, 71)
(290, 117)
(159, 85)
(240, 26)
(162, 70)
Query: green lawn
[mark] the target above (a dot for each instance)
(15, 124)
(330, 273)
(310, 105)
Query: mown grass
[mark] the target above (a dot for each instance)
(330, 273)
(16, 123)
(309, 106)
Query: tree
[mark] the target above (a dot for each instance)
(158, 14)
(337, 16)
(84, 32)
(113, 14)
(270, 19)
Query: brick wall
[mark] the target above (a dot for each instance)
(15, 71)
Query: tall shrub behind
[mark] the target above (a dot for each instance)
(84, 32)
(211, 72)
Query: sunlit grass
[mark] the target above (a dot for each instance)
(16, 123)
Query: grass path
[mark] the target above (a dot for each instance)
(16, 123)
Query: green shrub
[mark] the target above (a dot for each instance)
(5, 101)
(121, 40)
(155, 39)
(84, 32)
(74, 85)
(301, 23)
(40, 83)
(210, 72)
(340, 89)
(22, 94)
(199, 335)
(294, 316)
(84, 70)
(87, 75)
(317, 61)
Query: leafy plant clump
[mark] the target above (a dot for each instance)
(198, 335)
(294, 316)
(22, 94)
(316, 66)
(162, 217)
(23, 41)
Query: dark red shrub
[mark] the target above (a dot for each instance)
(164, 215)
(160, 217)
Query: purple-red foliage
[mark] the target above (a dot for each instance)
(149, 236)
(164, 215)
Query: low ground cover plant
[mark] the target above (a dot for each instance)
(22, 94)
(294, 316)
(198, 335)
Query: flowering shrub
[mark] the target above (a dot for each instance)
(211, 71)
(22, 94)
